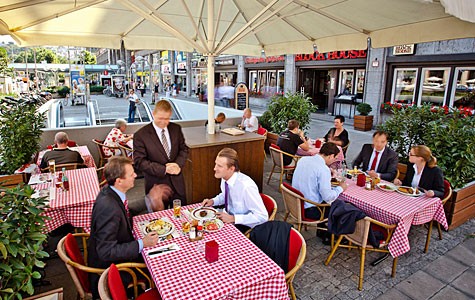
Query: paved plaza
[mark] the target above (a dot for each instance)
(446, 271)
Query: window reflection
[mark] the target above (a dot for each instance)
(434, 86)
(346, 81)
(403, 86)
(464, 88)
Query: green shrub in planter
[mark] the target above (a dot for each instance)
(22, 236)
(20, 135)
(62, 91)
(289, 106)
(364, 109)
(96, 88)
(264, 120)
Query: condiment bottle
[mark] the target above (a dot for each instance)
(199, 230)
(65, 181)
(369, 184)
(192, 233)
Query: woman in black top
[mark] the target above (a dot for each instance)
(423, 172)
(338, 134)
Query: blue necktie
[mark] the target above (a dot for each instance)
(226, 196)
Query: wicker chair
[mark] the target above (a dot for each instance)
(278, 161)
(359, 240)
(297, 253)
(70, 166)
(447, 196)
(111, 288)
(100, 148)
(270, 204)
(294, 207)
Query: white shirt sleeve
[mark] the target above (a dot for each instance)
(250, 209)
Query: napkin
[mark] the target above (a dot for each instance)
(38, 178)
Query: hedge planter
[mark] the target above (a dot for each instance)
(363, 123)
(461, 207)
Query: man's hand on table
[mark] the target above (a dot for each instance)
(373, 174)
(225, 217)
(343, 185)
(151, 239)
(207, 202)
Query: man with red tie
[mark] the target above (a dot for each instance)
(111, 239)
(239, 194)
(377, 159)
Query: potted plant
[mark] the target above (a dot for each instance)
(22, 236)
(20, 135)
(283, 108)
(363, 121)
(449, 134)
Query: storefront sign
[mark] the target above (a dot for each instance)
(317, 56)
(241, 94)
(226, 62)
(166, 69)
(269, 59)
(407, 49)
(181, 71)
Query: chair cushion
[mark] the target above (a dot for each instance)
(261, 131)
(446, 188)
(152, 294)
(114, 282)
(72, 250)
(302, 206)
(295, 244)
(268, 203)
(274, 146)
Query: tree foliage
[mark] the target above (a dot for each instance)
(4, 60)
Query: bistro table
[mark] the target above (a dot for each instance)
(242, 271)
(83, 150)
(73, 206)
(395, 208)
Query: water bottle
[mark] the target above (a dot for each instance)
(344, 172)
(65, 181)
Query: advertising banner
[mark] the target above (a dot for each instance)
(78, 79)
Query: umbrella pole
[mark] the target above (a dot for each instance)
(210, 94)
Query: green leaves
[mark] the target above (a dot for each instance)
(22, 236)
(281, 109)
(449, 134)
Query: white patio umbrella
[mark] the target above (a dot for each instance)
(246, 27)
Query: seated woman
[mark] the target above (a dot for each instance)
(115, 137)
(338, 134)
(423, 172)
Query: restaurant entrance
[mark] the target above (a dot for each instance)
(315, 84)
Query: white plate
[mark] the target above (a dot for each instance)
(389, 187)
(168, 226)
(210, 213)
(409, 194)
(217, 221)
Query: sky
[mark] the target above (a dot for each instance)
(5, 39)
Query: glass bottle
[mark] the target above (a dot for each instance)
(65, 181)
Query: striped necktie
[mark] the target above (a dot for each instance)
(165, 143)
(127, 211)
(226, 196)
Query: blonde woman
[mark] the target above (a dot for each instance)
(423, 172)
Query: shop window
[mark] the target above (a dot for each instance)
(463, 88)
(346, 82)
(253, 81)
(360, 76)
(433, 88)
(261, 81)
(404, 86)
(271, 87)
(280, 81)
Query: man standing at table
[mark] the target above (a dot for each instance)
(290, 140)
(239, 194)
(160, 151)
(61, 154)
(377, 159)
(111, 239)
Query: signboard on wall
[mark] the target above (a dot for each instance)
(407, 49)
(241, 94)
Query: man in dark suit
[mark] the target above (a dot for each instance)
(160, 152)
(111, 239)
(377, 159)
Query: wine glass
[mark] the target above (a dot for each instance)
(52, 168)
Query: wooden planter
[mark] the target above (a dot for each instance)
(461, 207)
(271, 139)
(363, 123)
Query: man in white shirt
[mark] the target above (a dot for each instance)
(239, 194)
(249, 122)
(312, 178)
(133, 100)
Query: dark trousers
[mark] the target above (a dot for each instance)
(242, 228)
(131, 114)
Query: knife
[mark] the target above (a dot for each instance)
(169, 248)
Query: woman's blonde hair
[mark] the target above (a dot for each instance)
(426, 154)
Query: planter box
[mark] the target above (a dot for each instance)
(363, 123)
(461, 207)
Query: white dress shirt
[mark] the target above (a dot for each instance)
(417, 177)
(253, 122)
(244, 201)
(158, 130)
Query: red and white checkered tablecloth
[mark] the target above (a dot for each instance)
(242, 271)
(73, 206)
(83, 150)
(395, 208)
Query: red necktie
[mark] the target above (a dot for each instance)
(375, 160)
(126, 204)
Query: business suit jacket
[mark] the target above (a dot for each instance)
(150, 158)
(387, 167)
(111, 239)
(431, 179)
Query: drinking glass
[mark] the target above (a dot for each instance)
(52, 168)
(176, 208)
